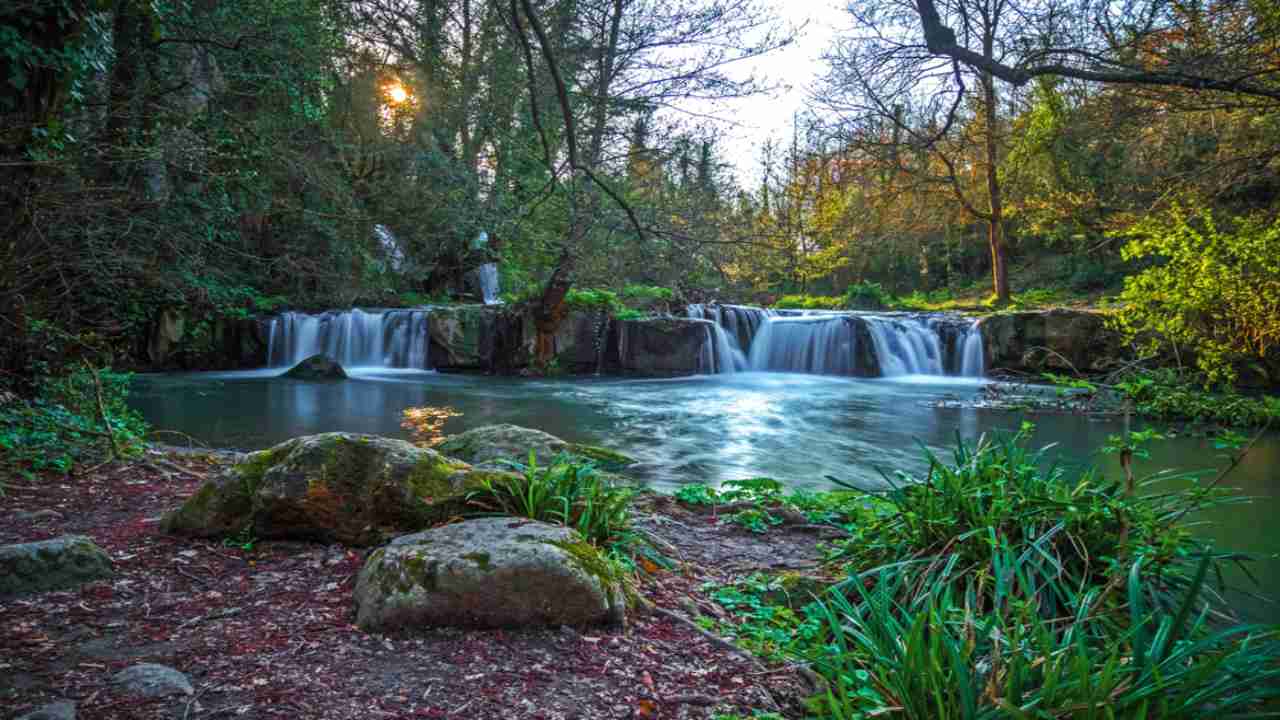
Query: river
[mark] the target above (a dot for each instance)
(797, 428)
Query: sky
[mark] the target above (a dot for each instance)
(746, 124)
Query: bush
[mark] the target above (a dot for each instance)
(1213, 289)
(1168, 395)
(646, 295)
(63, 424)
(605, 300)
(867, 295)
(809, 302)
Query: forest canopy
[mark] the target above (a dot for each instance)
(236, 158)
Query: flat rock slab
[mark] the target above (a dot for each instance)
(64, 710)
(153, 681)
(59, 564)
(490, 573)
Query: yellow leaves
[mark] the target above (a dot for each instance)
(426, 423)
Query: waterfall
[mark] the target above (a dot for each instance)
(391, 249)
(973, 353)
(354, 338)
(488, 276)
(906, 346)
(841, 343)
(721, 353)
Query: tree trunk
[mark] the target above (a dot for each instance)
(995, 222)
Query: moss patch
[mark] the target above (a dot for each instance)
(604, 457)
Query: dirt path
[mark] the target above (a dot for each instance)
(267, 633)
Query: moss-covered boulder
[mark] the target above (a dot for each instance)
(489, 573)
(317, 367)
(62, 563)
(343, 487)
(512, 442)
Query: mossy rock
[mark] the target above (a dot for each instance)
(62, 563)
(488, 573)
(317, 367)
(343, 487)
(512, 442)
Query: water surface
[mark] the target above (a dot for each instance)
(800, 429)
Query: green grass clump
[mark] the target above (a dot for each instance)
(1003, 585)
(567, 492)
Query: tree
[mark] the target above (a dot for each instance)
(914, 115)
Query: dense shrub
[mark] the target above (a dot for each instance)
(1214, 287)
(73, 418)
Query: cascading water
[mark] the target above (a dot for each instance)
(354, 338)
(488, 274)
(848, 343)
(721, 353)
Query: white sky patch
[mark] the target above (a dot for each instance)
(746, 124)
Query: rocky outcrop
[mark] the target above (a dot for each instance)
(224, 344)
(343, 487)
(62, 563)
(498, 442)
(1055, 340)
(317, 368)
(488, 573)
(582, 342)
(462, 336)
(663, 346)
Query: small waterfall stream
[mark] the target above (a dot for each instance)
(354, 338)
(840, 343)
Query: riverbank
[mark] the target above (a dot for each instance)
(264, 629)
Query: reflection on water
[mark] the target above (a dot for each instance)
(798, 428)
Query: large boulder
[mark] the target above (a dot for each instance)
(512, 442)
(489, 573)
(62, 563)
(1058, 340)
(664, 346)
(462, 336)
(317, 367)
(343, 487)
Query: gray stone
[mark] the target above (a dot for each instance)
(663, 346)
(317, 367)
(1058, 339)
(38, 516)
(63, 710)
(344, 487)
(462, 336)
(59, 564)
(153, 681)
(490, 572)
(511, 442)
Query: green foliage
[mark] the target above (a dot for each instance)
(61, 426)
(1170, 395)
(768, 499)
(765, 625)
(867, 295)
(809, 302)
(927, 654)
(600, 300)
(646, 295)
(568, 491)
(1003, 586)
(1215, 287)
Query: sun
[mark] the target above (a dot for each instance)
(397, 93)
